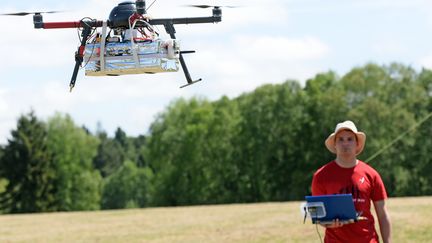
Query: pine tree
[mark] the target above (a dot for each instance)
(26, 166)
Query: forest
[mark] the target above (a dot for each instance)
(261, 146)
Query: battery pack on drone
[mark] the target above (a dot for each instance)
(131, 57)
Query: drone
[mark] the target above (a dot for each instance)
(128, 42)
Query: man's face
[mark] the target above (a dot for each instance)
(346, 143)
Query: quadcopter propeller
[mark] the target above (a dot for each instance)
(209, 6)
(27, 13)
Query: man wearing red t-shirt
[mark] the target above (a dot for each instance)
(347, 174)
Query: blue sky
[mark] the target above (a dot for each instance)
(260, 42)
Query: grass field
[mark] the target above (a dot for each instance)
(264, 222)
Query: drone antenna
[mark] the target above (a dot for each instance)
(151, 4)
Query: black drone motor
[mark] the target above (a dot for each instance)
(141, 7)
(119, 16)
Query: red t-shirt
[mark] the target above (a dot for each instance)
(365, 184)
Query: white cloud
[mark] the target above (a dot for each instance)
(281, 48)
(3, 103)
(247, 61)
(426, 61)
(390, 47)
(7, 126)
(41, 48)
(7, 116)
(339, 6)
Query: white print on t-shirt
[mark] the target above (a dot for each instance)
(359, 200)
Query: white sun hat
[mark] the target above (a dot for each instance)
(346, 125)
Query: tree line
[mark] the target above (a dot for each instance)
(260, 146)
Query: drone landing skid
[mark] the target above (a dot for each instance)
(190, 83)
(186, 71)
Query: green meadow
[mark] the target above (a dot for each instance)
(263, 222)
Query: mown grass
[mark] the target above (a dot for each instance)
(264, 222)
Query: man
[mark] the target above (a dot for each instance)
(347, 174)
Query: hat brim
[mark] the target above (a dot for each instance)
(361, 139)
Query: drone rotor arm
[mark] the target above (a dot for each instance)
(39, 24)
(196, 20)
(73, 24)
